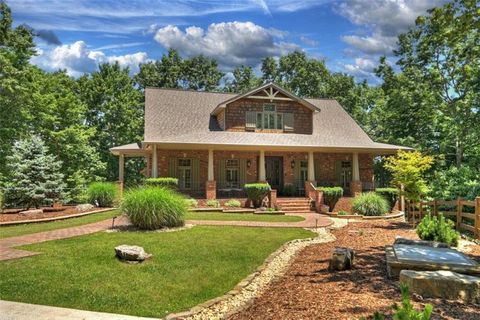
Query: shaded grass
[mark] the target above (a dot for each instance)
(187, 268)
(241, 217)
(17, 230)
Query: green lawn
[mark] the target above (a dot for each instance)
(187, 268)
(17, 230)
(241, 217)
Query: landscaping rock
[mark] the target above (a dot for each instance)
(425, 243)
(84, 207)
(342, 259)
(442, 284)
(131, 253)
(32, 211)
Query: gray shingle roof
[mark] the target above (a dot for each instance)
(184, 117)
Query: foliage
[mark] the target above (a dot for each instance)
(162, 182)
(437, 229)
(370, 204)
(213, 203)
(343, 213)
(115, 110)
(391, 194)
(453, 183)
(35, 176)
(1, 200)
(244, 79)
(331, 195)
(102, 194)
(256, 192)
(191, 203)
(408, 169)
(406, 311)
(153, 208)
(233, 203)
(288, 190)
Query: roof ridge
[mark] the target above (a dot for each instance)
(189, 90)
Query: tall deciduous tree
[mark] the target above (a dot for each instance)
(164, 73)
(244, 79)
(114, 109)
(443, 50)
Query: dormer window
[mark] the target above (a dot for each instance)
(269, 118)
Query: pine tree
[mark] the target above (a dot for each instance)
(35, 176)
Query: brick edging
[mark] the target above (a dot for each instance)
(242, 285)
(77, 215)
(394, 216)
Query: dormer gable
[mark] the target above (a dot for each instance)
(269, 92)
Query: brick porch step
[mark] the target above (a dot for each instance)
(295, 208)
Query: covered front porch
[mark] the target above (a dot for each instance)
(213, 172)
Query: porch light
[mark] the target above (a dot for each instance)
(249, 163)
(292, 164)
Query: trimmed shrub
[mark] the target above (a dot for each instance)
(213, 203)
(102, 194)
(288, 190)
(192, 203)
(233, 203)
(256, 192)
(331, 195)
(437, 229)
(370, 204)
(167, 182)
(391, 194)
(153, 208)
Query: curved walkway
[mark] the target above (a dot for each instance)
(312, 220)
(8, 252)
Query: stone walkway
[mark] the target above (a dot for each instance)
(8, 252)
(10, 310)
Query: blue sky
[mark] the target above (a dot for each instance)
(349, 34)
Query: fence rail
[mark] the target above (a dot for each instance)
(465, 213)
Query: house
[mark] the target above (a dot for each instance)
(214, 143)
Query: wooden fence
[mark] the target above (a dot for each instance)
(466, 214)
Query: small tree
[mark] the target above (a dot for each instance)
(407, 169)
(35, 176)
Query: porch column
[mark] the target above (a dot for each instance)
(356, 185)
(154, 161)
(210, 165)
(311, 167)
(261, 167)
(121, 170)
(211, 184)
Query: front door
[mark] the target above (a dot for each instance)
(274, 172)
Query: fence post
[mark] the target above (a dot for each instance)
(459, 214)
(402, 198)
(435, 207)
(477, 217)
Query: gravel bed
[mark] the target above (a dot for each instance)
(246, 291)
(308, 291)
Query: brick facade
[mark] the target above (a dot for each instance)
(325, 164)
(235, 114)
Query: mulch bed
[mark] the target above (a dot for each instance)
(309, 291)
(13, 215)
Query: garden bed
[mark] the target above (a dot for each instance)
(392, 216)
(66, 212)
(350, 294)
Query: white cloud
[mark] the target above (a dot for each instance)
(308, 41)
(385, 19)
(230, 43)
(77, 59)
(362, 68)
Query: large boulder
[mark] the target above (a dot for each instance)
(84, 207)
(32, 211)
(442, 284)
(342, 259)
(131, 253)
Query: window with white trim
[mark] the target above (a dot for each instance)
(269, 118)
(231, 173)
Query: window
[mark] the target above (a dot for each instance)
(269, 118)
(184, 174)
(231, 173)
